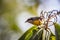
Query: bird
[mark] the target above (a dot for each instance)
(35, 20)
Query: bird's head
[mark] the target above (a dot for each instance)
(30, 20)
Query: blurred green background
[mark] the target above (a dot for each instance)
(10, 15)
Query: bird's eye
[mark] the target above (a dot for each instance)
(31, 19)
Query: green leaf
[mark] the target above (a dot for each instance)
(52, 37)
(32, 34)
(27, 33)
(57, 28)
(36, 34)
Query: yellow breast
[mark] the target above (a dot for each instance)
(37, 22)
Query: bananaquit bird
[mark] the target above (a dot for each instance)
(35, 21)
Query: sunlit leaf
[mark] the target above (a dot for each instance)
(29, 32)
(35, 34)
(32, 34)
(57, 27)
(52, 37)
